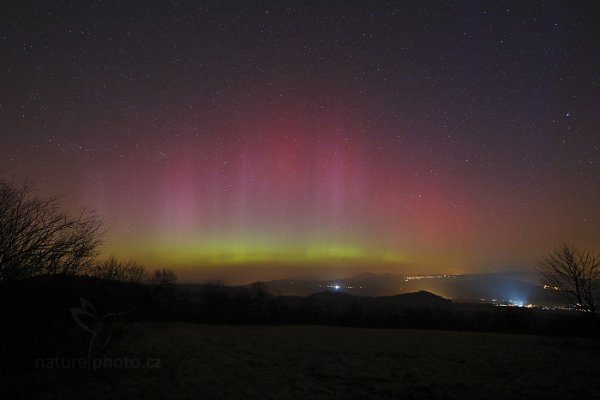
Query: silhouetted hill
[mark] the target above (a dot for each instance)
(331, 295)
(474, 288)
(420, 298)
(340, 300)
(366, 284)
(510, 286)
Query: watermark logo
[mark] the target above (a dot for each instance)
(96, 363)
(100, 327)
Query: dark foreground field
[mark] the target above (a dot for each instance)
(316, 362)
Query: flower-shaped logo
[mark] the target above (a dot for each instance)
(98, 326)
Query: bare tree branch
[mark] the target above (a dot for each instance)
(575, 274)
(37, 238)
(112, 269)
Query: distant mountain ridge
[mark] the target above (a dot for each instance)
(504, 286)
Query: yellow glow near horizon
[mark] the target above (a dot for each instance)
(228, 252)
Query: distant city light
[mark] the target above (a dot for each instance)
(438, 276)
(548, 287)
(338, 286)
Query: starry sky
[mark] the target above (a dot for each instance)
(253, 140)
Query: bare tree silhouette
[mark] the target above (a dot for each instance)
(37, 238)
(574, 274)
(113, 269)
(163, 277)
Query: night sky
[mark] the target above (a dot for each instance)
(249, 140)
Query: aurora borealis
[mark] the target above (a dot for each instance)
(250, 140)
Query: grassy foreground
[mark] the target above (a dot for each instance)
(316, 362)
